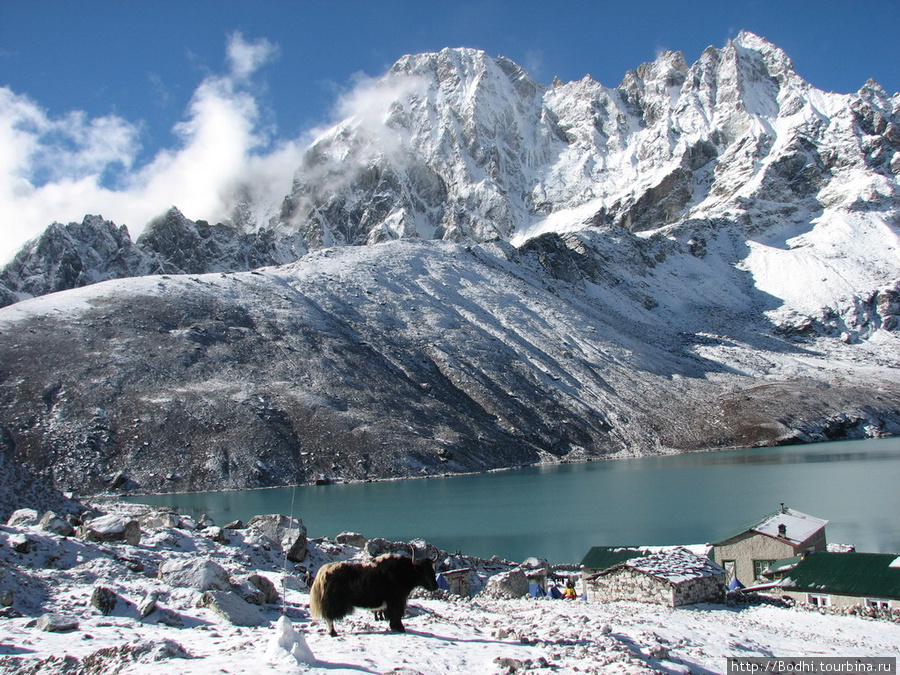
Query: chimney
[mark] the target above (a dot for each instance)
(782, 530)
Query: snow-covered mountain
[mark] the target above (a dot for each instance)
(704, 256)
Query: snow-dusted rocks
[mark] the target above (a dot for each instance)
(351, 539)
(22, 517)
(506, 585)
(197, 573)
(232, 607)
(155, 627)
(56, 623)
(289, 534)
(52, 522)
(112, 527)
(104, 599)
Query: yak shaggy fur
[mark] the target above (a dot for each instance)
(381, 585)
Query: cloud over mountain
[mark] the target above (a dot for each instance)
(61, 167)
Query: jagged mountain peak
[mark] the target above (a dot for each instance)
(462, 146)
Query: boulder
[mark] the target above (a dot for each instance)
(265, 585)
(169, 617)
(22, 518)
(161, 519)
(248, 592)
(378, 546)
(288, 533)
(56, 623)
(20, 543)
(111, 528)
(231, 607)
(201, 574)
(216, 533)
(51, 522)
(104, 599)
(506, 585)
(351, 539)
(148, 605)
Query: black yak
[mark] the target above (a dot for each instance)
(381, 585)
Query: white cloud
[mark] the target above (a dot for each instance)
(54, 168)
(245, 57)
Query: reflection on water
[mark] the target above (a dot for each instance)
(559, 512)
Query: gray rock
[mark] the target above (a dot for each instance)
(289, 533)
(104, 599)
(169, 618)
(56, 623)
(158, 520)
(249, 592)
(23, 518)
(111, 528)
(231, 607)
(216, 533)
(20, 543)
(148, 604)
(52, 522)
(265, 585)
(506, 586)
(201, 574)
(351, 539)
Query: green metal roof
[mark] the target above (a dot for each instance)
(604, 557)
(869, 575)
(783, 565)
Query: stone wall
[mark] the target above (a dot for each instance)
(628, 584)
(703, 589)
(835, 600)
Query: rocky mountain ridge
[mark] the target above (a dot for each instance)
(460, 146)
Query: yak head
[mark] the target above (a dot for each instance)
(424, 570)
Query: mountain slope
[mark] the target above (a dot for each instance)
(410, 358)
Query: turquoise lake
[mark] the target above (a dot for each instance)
(559, 512)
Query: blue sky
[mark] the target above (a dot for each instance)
(125, 108)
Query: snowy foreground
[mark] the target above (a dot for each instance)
(52, 574)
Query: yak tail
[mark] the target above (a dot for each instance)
(317, 592)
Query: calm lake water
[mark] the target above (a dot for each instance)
(559, 512)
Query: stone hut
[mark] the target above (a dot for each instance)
(673, 578)
(458, 582)
(748, 552)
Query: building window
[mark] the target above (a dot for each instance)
(760, 566)
(818, 600)
(878, 603)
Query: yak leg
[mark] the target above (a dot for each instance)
(330, 624)
(394, 613)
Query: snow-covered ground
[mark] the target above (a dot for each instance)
(445, 634)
